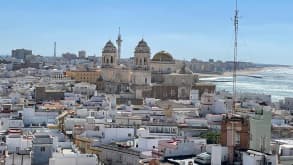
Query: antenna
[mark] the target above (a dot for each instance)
(235, 56)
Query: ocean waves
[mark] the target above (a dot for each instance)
(276, 82)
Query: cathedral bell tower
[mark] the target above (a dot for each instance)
(119, 42)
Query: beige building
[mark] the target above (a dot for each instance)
(119, 78)
(89, 76)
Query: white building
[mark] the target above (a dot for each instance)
(219, 154)
(70, 156)
(32, 117)
(18, 143)
(257, 158)
(84, 89)
(180, 147)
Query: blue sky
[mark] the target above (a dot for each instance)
(187, 29)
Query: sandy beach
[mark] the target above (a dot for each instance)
(244, 72)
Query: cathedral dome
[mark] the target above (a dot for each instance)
(142, 47)
(109, 47)
(163, 56)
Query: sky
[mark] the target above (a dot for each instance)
(200, 29)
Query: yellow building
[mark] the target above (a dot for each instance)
(84, 145)
(89, 76)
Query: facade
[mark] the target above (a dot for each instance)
(234, 135)
(89, 76)
(42, 149)
(41, 94)
(84, 89)
(260, 131)
(72, 158)
(119, 154)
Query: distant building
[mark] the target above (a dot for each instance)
(21, 53)
(17, 66)
(82, 54)
(287, 104)
(42, 149)
(69, 56)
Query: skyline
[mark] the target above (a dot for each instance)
(189, 29)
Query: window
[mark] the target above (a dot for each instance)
(43, 149)
(111, 59)
(237, 138)
(145, 80)
(129, 135)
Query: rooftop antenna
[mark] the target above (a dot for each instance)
(235, 57)
(55, 49)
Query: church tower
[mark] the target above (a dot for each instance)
(109, 55)
(142, 55)
(119, 42)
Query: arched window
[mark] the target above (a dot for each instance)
(111, 59)
(107, 61)
(145, 80)
(136, 61)
(144, 61)
(140, 62)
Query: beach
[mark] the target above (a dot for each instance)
(244, 72)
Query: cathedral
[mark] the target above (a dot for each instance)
(160, 77)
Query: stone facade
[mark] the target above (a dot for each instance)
(41, 94)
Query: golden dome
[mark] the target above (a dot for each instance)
(162, 56)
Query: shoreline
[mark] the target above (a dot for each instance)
(244, 72)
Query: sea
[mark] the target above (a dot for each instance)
(277, 82)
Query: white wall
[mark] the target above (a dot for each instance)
(13, 143)
(63, 159)
(117, 134)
